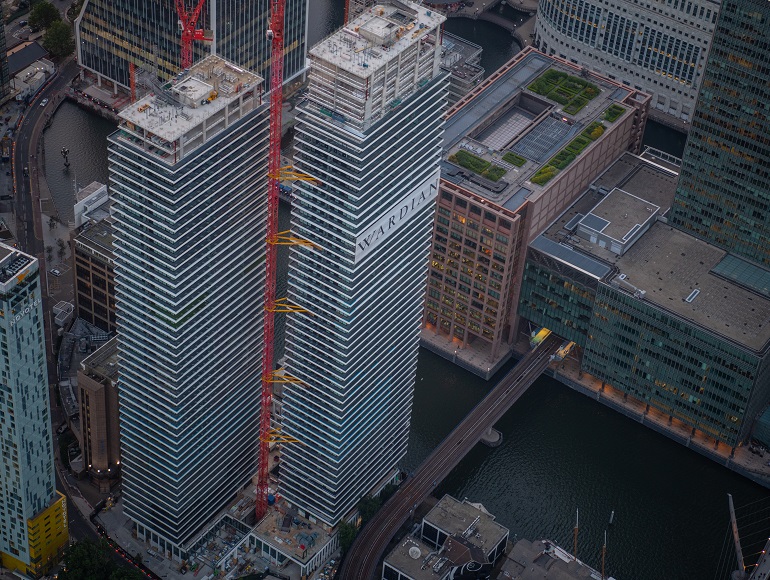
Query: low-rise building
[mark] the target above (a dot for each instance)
(461, 59)
(517, 151)
(662, 316)
(456, 538)
(100, 431)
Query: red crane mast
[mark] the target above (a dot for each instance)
(275, 34)
(188, 21)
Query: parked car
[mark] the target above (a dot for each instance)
(55, 272)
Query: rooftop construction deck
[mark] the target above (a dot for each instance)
(371, 65)
(180, 115)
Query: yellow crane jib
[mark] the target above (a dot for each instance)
(281, 376)
(276, 436)
(286, 239)
(288, 173)
(283, 305)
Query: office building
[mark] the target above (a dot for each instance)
(33, 515)
(723, 195)
(93, 255)
(660, 315)
(188, 175)
(371, 134)
(98, 401)
(110, 34)
(656, 47)
(517, 151)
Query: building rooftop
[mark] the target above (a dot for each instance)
(287, 531)
(543, 560)
(377, 36)
(98, 237)
(518, 111)
(460, 56)
(415, 559)
(622, 193)
(14, 266)
(674, 270)
(193, 96)
(664, 266)
(466, 521)
(24, 55)
(104, 361)
(89, 189)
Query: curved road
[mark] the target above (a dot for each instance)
(365, 553)
(29, 229)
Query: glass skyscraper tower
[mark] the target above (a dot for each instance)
(723, 194)
(112, 33)
(371, 134)
(33, 515)
(188, 173)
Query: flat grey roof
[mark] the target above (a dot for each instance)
(669, 265)
(571, 257)
(104, 360)
(419, 563)
(99, 236)
(620, 214)
(455, 517)
(635, 176)
(542, 560)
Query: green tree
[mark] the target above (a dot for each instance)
(49, 252)
(368, 506)
(89, 560)
(43, 15)
(58, 40)
(348, 533)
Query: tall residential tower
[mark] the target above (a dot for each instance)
(371, 134)
(723, 194)
(188, 173)
(33, 515)
(112, 33)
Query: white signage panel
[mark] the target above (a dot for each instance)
(397, 216)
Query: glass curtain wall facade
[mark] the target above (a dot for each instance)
(723, 195)
(111, 33)
(683, 370)
(676, 367)
(27, 485)
(372, 215)
(658, 47)
(189, 273)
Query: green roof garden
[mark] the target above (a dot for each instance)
(572, 92)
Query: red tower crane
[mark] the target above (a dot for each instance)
(276, 173)
(187, 22)
(275, 35)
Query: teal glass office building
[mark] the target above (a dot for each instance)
(723, 195)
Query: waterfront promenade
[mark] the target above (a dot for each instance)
(522, 31)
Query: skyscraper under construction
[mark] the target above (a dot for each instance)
(112, 33)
